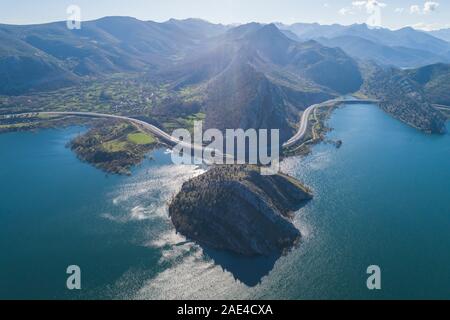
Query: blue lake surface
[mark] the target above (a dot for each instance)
(382, 199)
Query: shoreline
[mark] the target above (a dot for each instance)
(312, 130)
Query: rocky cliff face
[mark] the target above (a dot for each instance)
(236, 209)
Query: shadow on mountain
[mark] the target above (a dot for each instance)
(248, 270)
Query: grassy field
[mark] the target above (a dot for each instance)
(141, 138)
(123, 137)
(186, 122)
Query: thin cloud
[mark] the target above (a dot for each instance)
(430, 26)
(345, 11)
(369, 5)
(414, 9)
(428, 7)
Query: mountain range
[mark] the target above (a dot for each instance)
(248, 76)
(50, 55)
(404, 48)
(254, 76)
(443, 34)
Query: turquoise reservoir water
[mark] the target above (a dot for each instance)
(382, 199)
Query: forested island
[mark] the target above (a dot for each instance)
(235, 208)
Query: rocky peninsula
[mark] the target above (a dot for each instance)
(235, 208)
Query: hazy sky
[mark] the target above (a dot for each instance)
(394, 13)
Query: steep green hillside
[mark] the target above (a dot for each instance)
(403, 98)
(435, 80)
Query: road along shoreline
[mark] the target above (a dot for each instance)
(304, 121)
(172, 141)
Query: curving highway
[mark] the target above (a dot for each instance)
(145, 125)
(142, 124)
(303, 127)
(304, 121)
